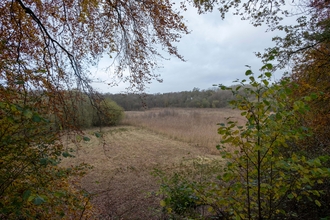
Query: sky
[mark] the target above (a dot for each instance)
(216, 52)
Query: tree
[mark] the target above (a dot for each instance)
(267, 171)
(312, 77)
(264, 175)
(62, 38)
(310, 30)
(109, 114)
(311, 73)
(46, 48)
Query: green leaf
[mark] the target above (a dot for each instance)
(307, 98)
(266, 102)
(26, 194)
(265, 82)
(98, 135)
(162, 203)
(268, 66)
(268, 74)
(31, 198)
(19, 82)
(290, 196)
(227, 176)
(66, 154)
(248, 72)
(44, 161)
(86, 138)
(59, 194)
(38, 200)
(36, 118)
(27, 113)
(317, 202)
(313, 95)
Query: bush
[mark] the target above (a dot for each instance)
(184, 191)
(108, 113)
(84, 111)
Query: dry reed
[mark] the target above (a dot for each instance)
(198, 127)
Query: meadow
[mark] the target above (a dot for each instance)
(125, 155)
(195, 126)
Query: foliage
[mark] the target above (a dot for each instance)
(181, 197)
(182, 191)
(31, 180)
(270, 12)
(266, 175)
(31, 150)
(108, 114)
(312, 76)
(266, 170)
(46, 48)
(78, 110)
(84, 111)
(210, 98)
(310, 30)
(58, 37)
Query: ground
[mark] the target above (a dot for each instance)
(124, 157)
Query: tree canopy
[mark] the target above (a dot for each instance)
(49, 44)
(46, 50)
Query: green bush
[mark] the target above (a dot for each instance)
(84, 111)
(184, 191)
(108, 113)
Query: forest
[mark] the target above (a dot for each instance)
(271, 157)
(210, 98)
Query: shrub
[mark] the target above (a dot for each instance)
(108, 113)
(84, 111)
(183, 191)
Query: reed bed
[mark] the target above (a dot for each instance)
(198, 127)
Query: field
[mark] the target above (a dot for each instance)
(197, 127)
(124, 157)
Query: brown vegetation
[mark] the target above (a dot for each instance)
(124, 158)
(197, 127)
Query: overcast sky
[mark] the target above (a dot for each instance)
(216, 52)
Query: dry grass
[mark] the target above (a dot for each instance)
(197, 127)
(125, 155)
(122, 161)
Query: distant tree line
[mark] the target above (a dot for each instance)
(196, 98)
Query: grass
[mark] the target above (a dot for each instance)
(197, 127)
(124, 156)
